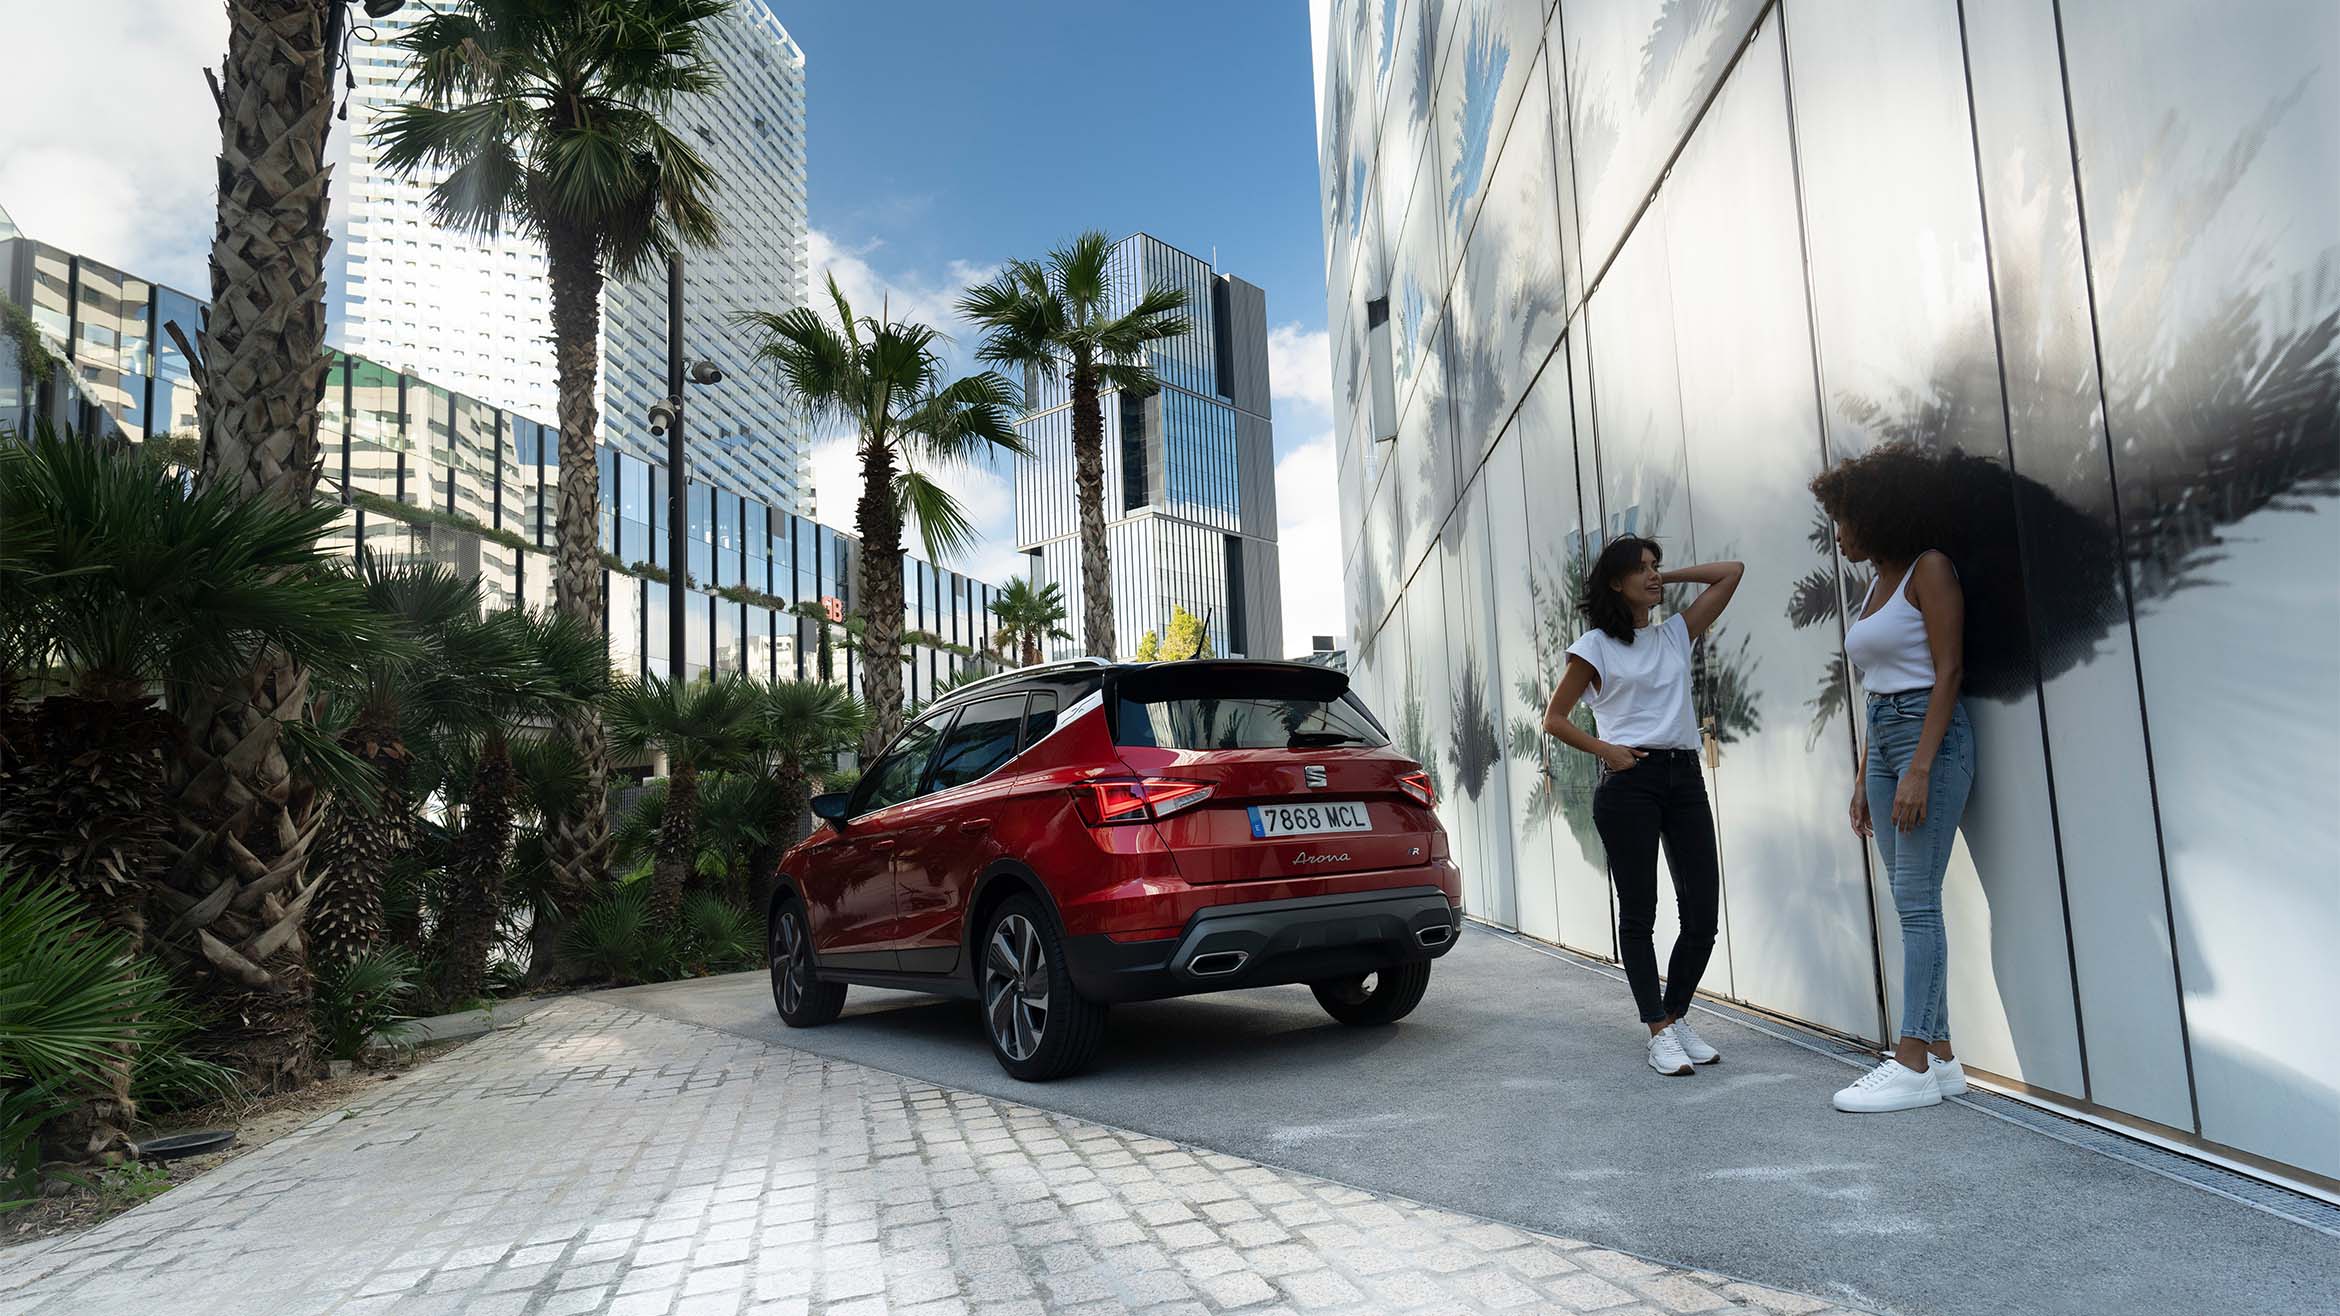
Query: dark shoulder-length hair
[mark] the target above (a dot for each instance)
(1600, 603)
(1898, 499)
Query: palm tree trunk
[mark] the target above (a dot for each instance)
(467, 927)
(880, 524)
(1089, 488)
(244, 822)
(345, 919)
(237, 879)
(678, 840)
(577, 842)
(263, 342)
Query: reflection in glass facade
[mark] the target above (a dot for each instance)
(1190, 511)
(482, 484)
(1647, 266)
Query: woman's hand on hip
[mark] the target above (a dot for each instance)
(1909, 798)
(1617, 758)
(1860, 813)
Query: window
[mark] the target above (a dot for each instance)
(983, 738)
(1198, 706)
(1040, 718)
(896, 776)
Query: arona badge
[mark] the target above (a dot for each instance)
(1306, 858)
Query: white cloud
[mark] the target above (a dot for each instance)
(914, 296)
(119, 168)
(1308, 542)
(1300, 365)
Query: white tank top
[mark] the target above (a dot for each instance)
(1888, 648)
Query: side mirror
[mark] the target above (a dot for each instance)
(830, 808)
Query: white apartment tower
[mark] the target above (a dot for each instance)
(475, 316)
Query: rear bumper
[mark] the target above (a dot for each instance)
(1268, 942)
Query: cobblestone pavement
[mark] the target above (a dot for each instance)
(599, 1160)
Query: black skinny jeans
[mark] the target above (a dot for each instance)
(1660, 800)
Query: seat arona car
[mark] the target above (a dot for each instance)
(1057, 839)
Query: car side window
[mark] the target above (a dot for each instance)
(895, 777)
(983, 738)
(1039, 719)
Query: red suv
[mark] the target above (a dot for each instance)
(1055, 839)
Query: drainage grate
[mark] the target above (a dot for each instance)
(2272, 1198)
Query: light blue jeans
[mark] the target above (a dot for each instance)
(1915, 860)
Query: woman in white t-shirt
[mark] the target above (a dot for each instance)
(1652, 791)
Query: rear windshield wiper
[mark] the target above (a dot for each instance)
(1323, 739)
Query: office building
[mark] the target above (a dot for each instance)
(1190, 493)
(473, 314)
(426, 472)
(1644, 266)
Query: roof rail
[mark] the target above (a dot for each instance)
(1089, 660)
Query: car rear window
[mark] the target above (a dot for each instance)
(1205, 706)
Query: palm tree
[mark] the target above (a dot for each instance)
(396, 699)
(124, 597)
(707, 725)
(527, 669)
(1057, 320)
(1029, 618)
(883, 379)
(807, 724)
(554, 116)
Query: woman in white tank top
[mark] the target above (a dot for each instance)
(1906, 642)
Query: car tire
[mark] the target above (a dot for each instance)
(1039, 1027)
(1390, 995)
(803, 999)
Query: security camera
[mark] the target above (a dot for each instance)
(706, 372)
(662, 415)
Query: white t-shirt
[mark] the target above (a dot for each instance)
(1643, 699)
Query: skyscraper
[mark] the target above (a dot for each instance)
(474, 315)
(1190, 494)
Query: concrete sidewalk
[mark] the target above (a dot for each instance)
(605, 1161)
(1517, 1092)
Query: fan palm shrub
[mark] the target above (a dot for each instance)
(527, 669)
(884, 381)
(74, 1005)
(709, 724)
(127, 599)
(558, 118)
(364, 997)
(1065, 318)
(807, 724)
(395, 699)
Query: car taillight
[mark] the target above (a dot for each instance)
(1417, 784)
(1139, 799)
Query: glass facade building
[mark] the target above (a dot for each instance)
(1597, 266)
(425, 472)
(1190, 498)
(475, 314)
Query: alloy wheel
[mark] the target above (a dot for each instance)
(1015, 987)
(789, 960)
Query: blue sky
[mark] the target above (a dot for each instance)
(944, 138)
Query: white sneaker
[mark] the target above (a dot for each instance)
(1890, 1086)
(1665, 1055)
(1949, 1075)
(1692, 1044)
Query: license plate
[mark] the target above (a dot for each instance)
(1314, 818)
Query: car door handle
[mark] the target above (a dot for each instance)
(881, 846)
(975, 825)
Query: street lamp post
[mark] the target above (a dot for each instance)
(666, 417)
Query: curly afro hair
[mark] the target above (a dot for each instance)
(1897, 499)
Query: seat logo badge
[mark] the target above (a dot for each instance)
(1313, 774)
(1306, 858)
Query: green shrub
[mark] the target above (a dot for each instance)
(167, 1075)
(719, 936)
(364, 998)
(607, 939)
